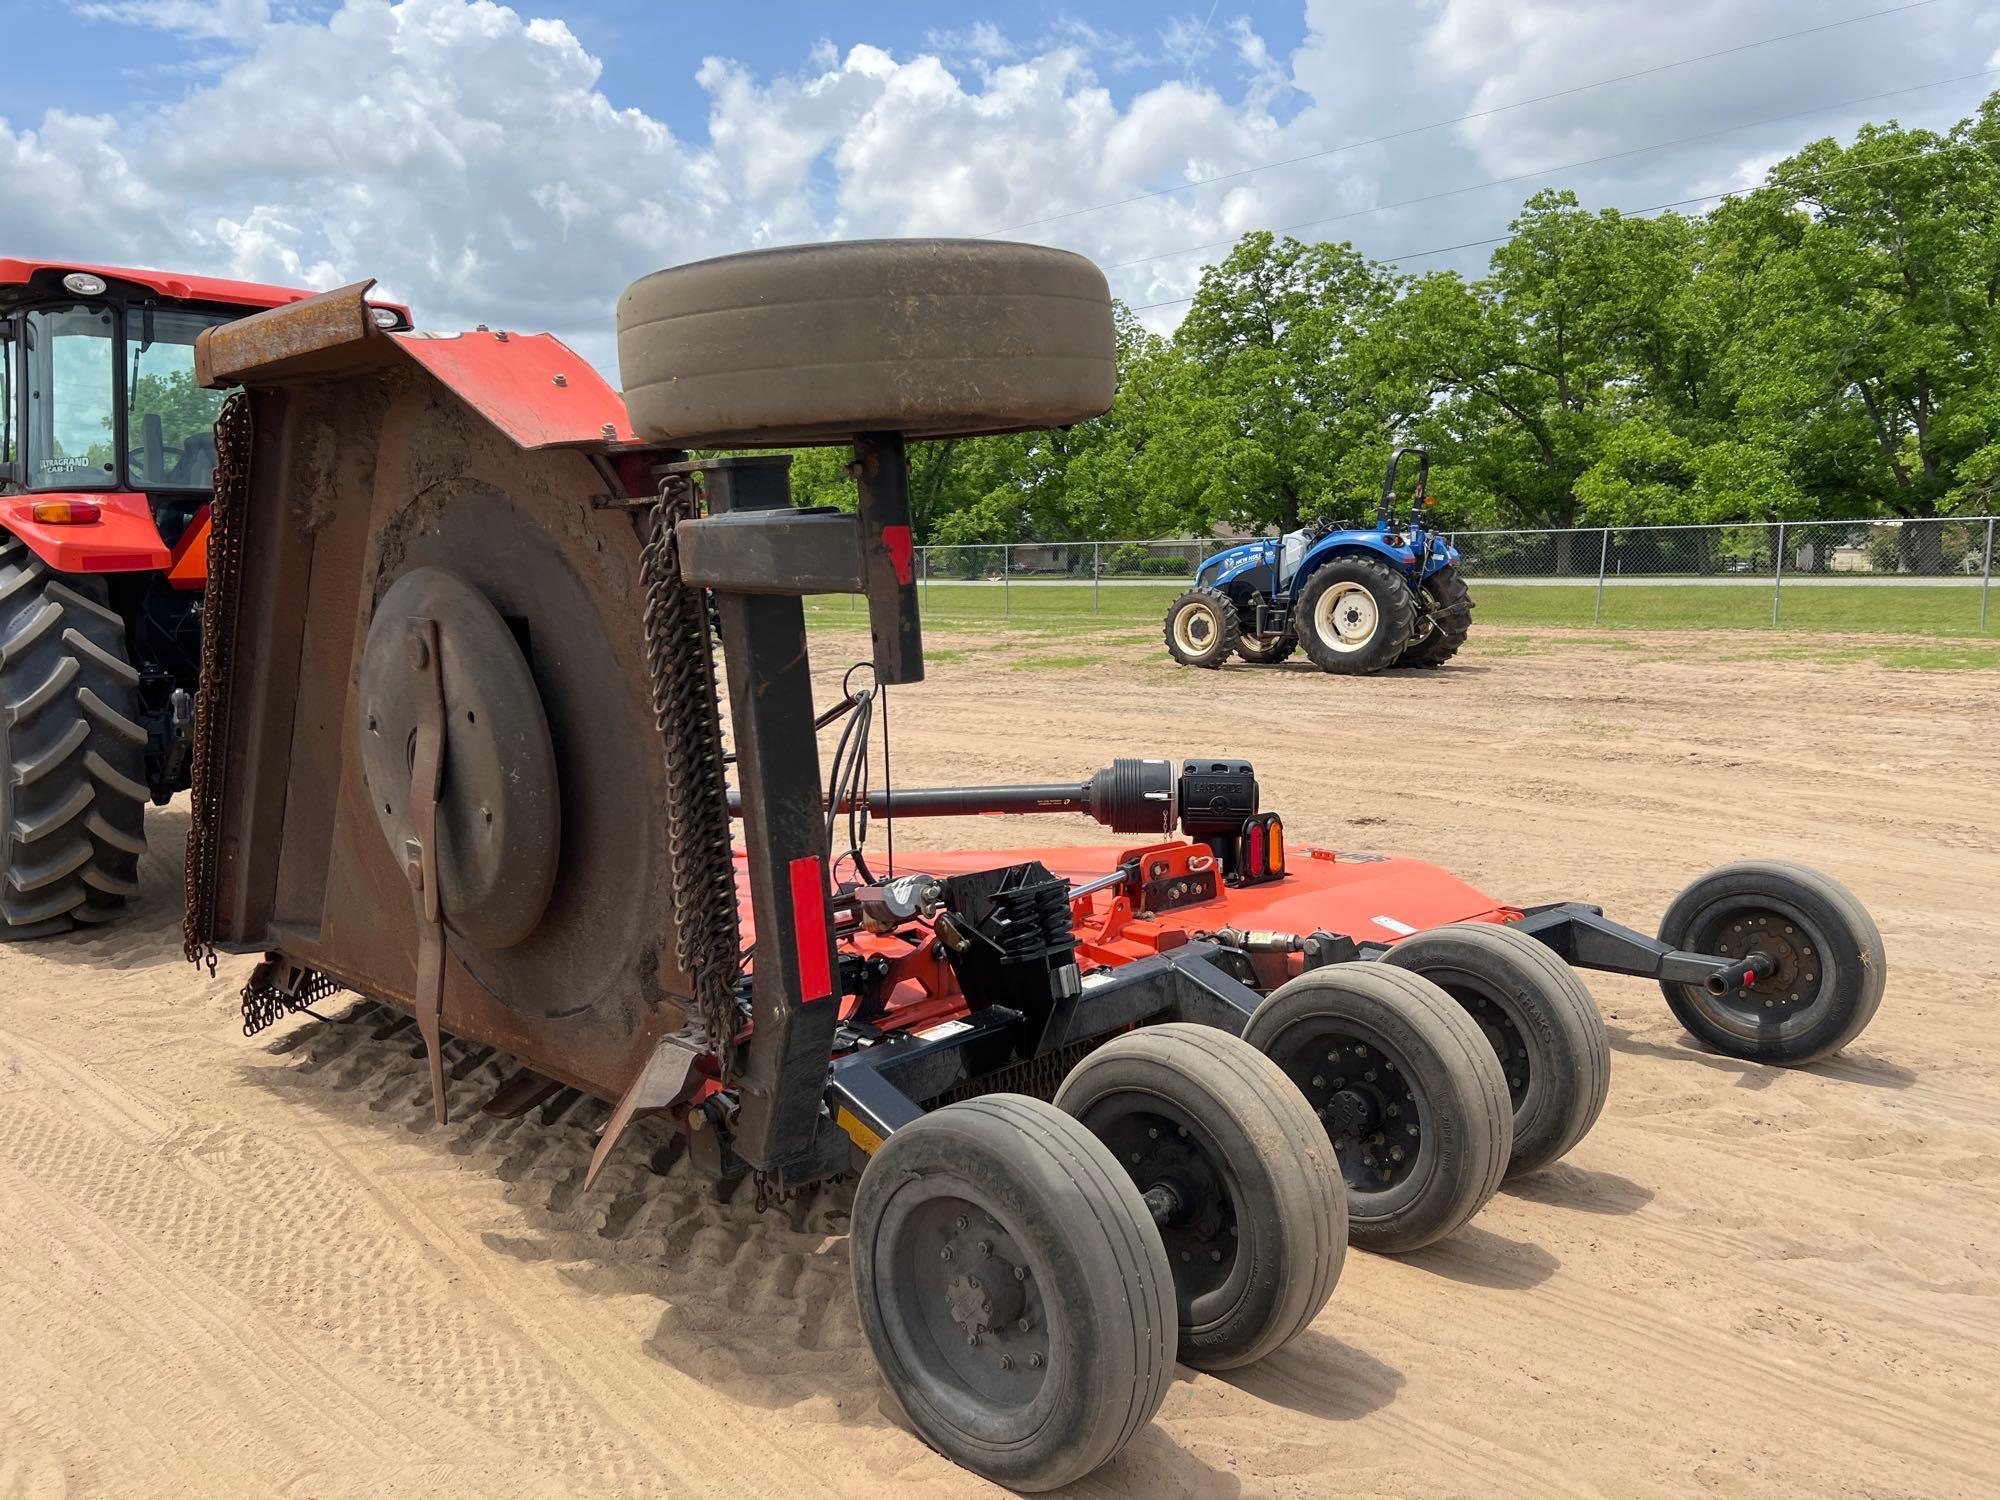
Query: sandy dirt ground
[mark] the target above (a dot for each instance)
(234, 1267)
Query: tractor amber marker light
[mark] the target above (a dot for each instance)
(809, 929)
(66, 512)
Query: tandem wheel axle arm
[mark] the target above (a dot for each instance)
(1587, 939)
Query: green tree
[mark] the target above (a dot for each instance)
(1868, 350)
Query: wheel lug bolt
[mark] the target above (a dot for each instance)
(1006, 1361)
(1135, 1158)
(1215, 1255)
(1319, 1080)
(1395, 1153)
(1340, 1083)
(972, 1340)
(1394, 1110)
(960, 1221)
(1411, 1129)
(984, 1250)
(945, 1254)
(1360, 1051)
(1034, 1361)
(1185, 1257)
(1152, 1134)
(1020, 1273)
(1022, 1326)
(1369, 1076)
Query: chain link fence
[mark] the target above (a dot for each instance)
(1929, 576)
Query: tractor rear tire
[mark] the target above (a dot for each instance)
(1254, 1210)
(1831, 963)
(1014, 1289)
(1540, 1020)
(1409, 1091)
(72, 753)
(1266, 650)
(1450, 604)
(1355, 616)
(1201, 628)
(812, 344)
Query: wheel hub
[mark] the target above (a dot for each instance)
(1795, 974)
(1369, 1110)
(985, 1297)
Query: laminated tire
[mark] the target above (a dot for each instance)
(1540, 1021)
(810, 344)
(1014, 1289)
(1238, 1173)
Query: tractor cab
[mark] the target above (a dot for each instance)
(99, 407)
(107, 466)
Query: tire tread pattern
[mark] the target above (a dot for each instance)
(72, 752)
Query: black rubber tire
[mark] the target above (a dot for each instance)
(1200, 628)
(72, 752)
(1538, 1018)
(1265, 651)
(1098, 1293)
(811, 344)
(1451, 603)
(1262, 1231)
(1451, 1077)
(1395, 616)
(1816, 1003)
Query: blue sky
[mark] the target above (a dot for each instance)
(520, 165)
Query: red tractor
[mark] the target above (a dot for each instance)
(107, 462)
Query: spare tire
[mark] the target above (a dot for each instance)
(810, 344)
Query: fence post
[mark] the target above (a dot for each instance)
(1986, 580)
(1778, 576)
(924, 562)
(1006, 567)
(1603, 557)
(1097, 571)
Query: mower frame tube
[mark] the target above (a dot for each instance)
(1583, 937)
(878, 1088)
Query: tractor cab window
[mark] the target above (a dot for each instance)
(69, 368)
(170, 421)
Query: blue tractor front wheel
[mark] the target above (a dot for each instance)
(1355, 616)
(1201, 628)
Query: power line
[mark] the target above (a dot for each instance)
(1478, 114)
(1634, 213)
(1568, 166)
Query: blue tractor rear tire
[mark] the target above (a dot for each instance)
(1355, 616)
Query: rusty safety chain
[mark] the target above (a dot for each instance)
(265, 1001)
(687, 709)
(219, 606)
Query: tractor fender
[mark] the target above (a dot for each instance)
(122, 539)
(1354, 544)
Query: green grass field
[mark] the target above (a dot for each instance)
(1064, 608)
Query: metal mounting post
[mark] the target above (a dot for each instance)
(1986, 580)
(1603, 557)
(1778, 576)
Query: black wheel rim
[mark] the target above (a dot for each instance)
(1738, 927)
(963, 1309)
(1499, 1021)
(1360, 1086)
(1184, 1178)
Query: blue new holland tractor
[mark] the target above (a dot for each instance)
(1358, 599)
